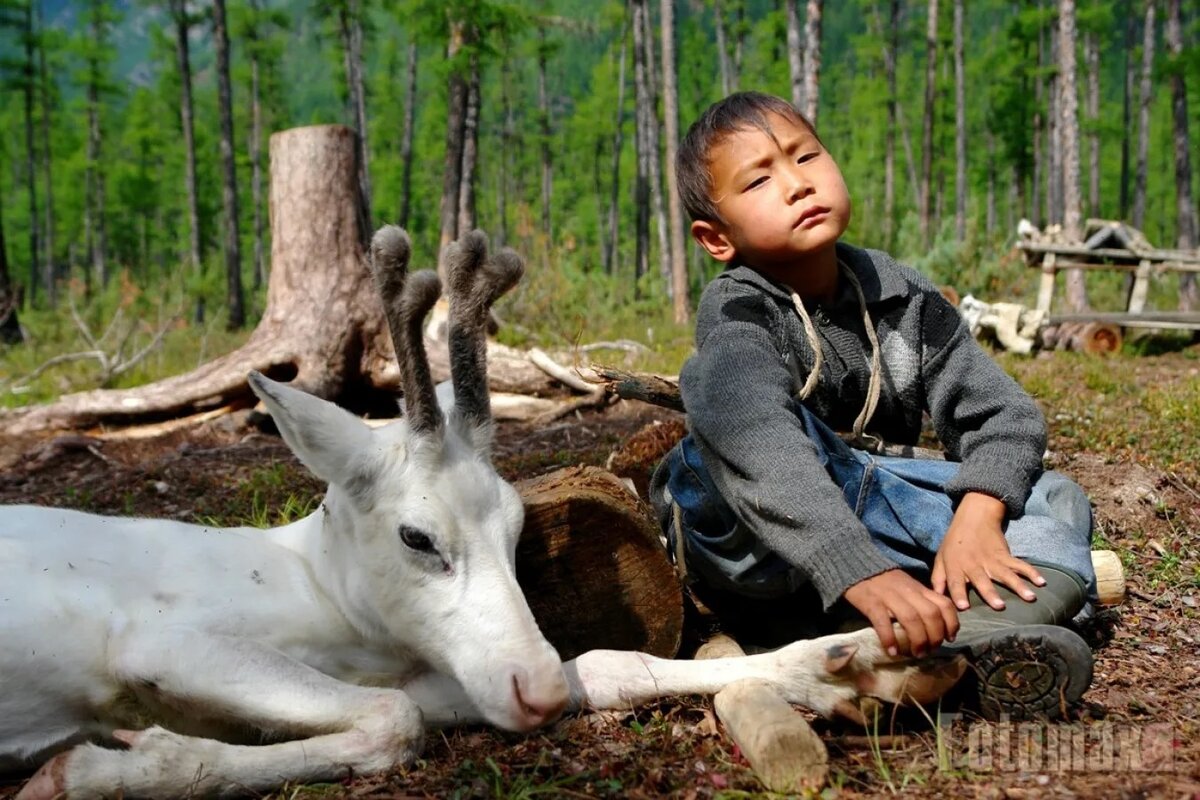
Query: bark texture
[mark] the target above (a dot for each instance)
(812, 58)
(1145, 98)
(1185, 210)
(232, 247)
(1076, 292)
(679, 276)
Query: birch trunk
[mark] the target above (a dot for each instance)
(233, 252)
(470, 155)
(812, 58)
(1076, 289)
(1145, 98)
(960, 129)
(931, 35)
(1184, 209)
(795, 51)
(406, 138)
(679, 275)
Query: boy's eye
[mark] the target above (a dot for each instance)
(807, 157)
(759, 181)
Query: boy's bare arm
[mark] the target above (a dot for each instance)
(975, 552)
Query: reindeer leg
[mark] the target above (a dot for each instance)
(347, 727)
(826, 675)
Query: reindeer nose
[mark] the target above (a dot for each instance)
(539, 701)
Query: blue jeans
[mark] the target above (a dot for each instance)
(901, 501)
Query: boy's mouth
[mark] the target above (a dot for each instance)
(812, 215)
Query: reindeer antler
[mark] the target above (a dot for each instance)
(475, 283)
(406, 301)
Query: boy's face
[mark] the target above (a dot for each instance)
(781, 197)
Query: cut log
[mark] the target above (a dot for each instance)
(1110, 577)
(593, 567)
(784, 751)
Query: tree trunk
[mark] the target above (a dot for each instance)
(10, 328)
(1054, 143)
(1184, 210)
(960, 129)
(1039, 125)
(350, 16)
(727, 81)
(890, 51)
(233, 247)
(1126, 109)
(1077, 299)
(406, 139)
(642, 183)
(812, 58)
(50, 277)
(614, 217)
(679, 276)
(1091, 54)
(27, 88)
(256, 150)
(93, 215)
(795, 51)
(456, 112)
(739, 41)
(182, 56)
(507, 127)
(652, 151)
(466, 190)
(931, 37)
(590, 562)
(1145, 98)
(544, 137)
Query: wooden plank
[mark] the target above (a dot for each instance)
(1046, 289)
(784, 751)
(1152, 254)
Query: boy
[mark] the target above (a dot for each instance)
(765, 508)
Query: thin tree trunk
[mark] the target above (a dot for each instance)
(652, 150)
(1039, 124)
(1145, 98)
(233, 249)
(812, 58)
(890, 50)
(618, 141)
(506, 136)
(727, 82)
(1077, 298)
(10, 328)
(544, 137)
(1054, 209)
(679, 276)
(795, 51)
(642, 183)
(1184, 210)
(1126, 109)
(96, 235)
(350, 18)
(931, 37)
(406, 139)
(456, 112)
(960, 128)
(1091, 51)
(186, 116)
(739, 41)
(466, 193)
(256, 150)
(27, 88)
(50, 278)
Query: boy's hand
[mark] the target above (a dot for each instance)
(926, 616)
(975, 552)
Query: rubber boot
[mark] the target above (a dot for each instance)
(1028, 665)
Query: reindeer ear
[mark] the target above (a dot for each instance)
(333, 443)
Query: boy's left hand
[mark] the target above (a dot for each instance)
(975, 552)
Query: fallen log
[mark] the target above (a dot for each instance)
(593, 567)
(784, 751)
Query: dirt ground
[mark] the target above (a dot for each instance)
(1137, 735)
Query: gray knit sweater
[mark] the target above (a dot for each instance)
(752, 356)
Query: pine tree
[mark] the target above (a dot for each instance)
(1069, 126)
(232, 247)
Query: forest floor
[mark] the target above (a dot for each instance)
(1125, 428)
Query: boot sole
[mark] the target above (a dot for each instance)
(1030, 672)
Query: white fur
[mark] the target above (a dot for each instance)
(327, 644)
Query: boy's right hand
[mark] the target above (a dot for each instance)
(928, 618)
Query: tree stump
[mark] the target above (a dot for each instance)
(593, 569)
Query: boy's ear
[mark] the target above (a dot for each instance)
(714, 240)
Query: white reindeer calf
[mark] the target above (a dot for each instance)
(304, 652)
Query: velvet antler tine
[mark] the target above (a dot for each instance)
(475, 283)
(406, 301)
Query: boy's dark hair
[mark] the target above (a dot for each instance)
(735, 113)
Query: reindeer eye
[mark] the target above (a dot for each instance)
(416, 539)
